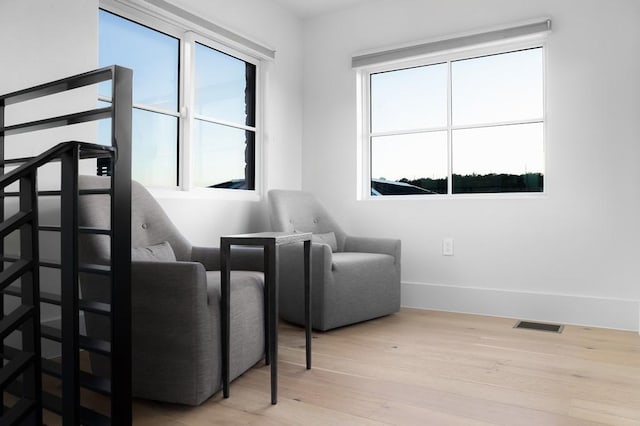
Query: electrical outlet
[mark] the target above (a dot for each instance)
(447, 246)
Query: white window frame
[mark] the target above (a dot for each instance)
(187, 38)
(363, 76)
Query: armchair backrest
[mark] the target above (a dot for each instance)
(300, 211)
(150, 225)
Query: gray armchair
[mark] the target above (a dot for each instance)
(175, 289)
(353, 278)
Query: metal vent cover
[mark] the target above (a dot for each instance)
(540, 326)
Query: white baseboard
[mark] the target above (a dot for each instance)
(621, 314)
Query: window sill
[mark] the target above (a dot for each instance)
(441, 197)
(206, 194)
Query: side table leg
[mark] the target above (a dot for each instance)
(225, 254)
(267, 308)
(307, 300)
(271, 280)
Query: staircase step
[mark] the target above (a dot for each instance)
(14, 222)
(11, 322)
(14, 272)
(81, 229)
(83, 267)
(10, 352)
(54, 193)
(16, 414)
(94, 345)
(15, 367)
(87, 380)
(54, 299)
(53, 403)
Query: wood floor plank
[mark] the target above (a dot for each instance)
(431, 368)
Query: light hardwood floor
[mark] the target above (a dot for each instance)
(432, 368)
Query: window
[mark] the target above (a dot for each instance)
(210, 141)
(224, 120)
(460, 125)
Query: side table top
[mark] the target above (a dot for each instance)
(267, 237)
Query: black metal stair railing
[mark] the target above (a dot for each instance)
(24, 398)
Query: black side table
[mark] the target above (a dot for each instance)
(270, 242)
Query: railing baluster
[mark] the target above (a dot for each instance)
(2, 389)
(121, 248)
(69, 284)
(30, 281)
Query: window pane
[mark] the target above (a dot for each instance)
(152, 55)
(497, 88)
(155, 148)
(222, 156)
(498, 159)
(224, 87)
(413, 98)
(409, 164)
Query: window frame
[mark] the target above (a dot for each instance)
(365, 134)
(187, 39)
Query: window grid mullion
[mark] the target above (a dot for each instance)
(409, 131)
(497, 124)
(144, 107)
(223, 122)
(450, 127)
(449, 131)
(186, 79)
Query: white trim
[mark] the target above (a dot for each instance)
(593, 311)
(362, 129)
(191, 38)
(145, 107)
(176, 16)
(187, 70)
(408, 132)
(498, 124)
(363, 76)
(449, 130)
(461, 54)
(187, 33)
(208, 119)
(453, 43)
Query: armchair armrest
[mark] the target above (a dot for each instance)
(242, 258)
(171, 330)
(290, 258)
(388, 246)
(160, 288)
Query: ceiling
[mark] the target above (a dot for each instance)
(311, 8)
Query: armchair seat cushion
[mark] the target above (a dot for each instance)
(360, 262)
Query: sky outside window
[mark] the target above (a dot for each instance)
(154, 58)
(495, 126)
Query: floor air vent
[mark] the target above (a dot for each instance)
(554, 328)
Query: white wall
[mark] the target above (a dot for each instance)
(44, 41)
(203, 220)
(569, 256)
